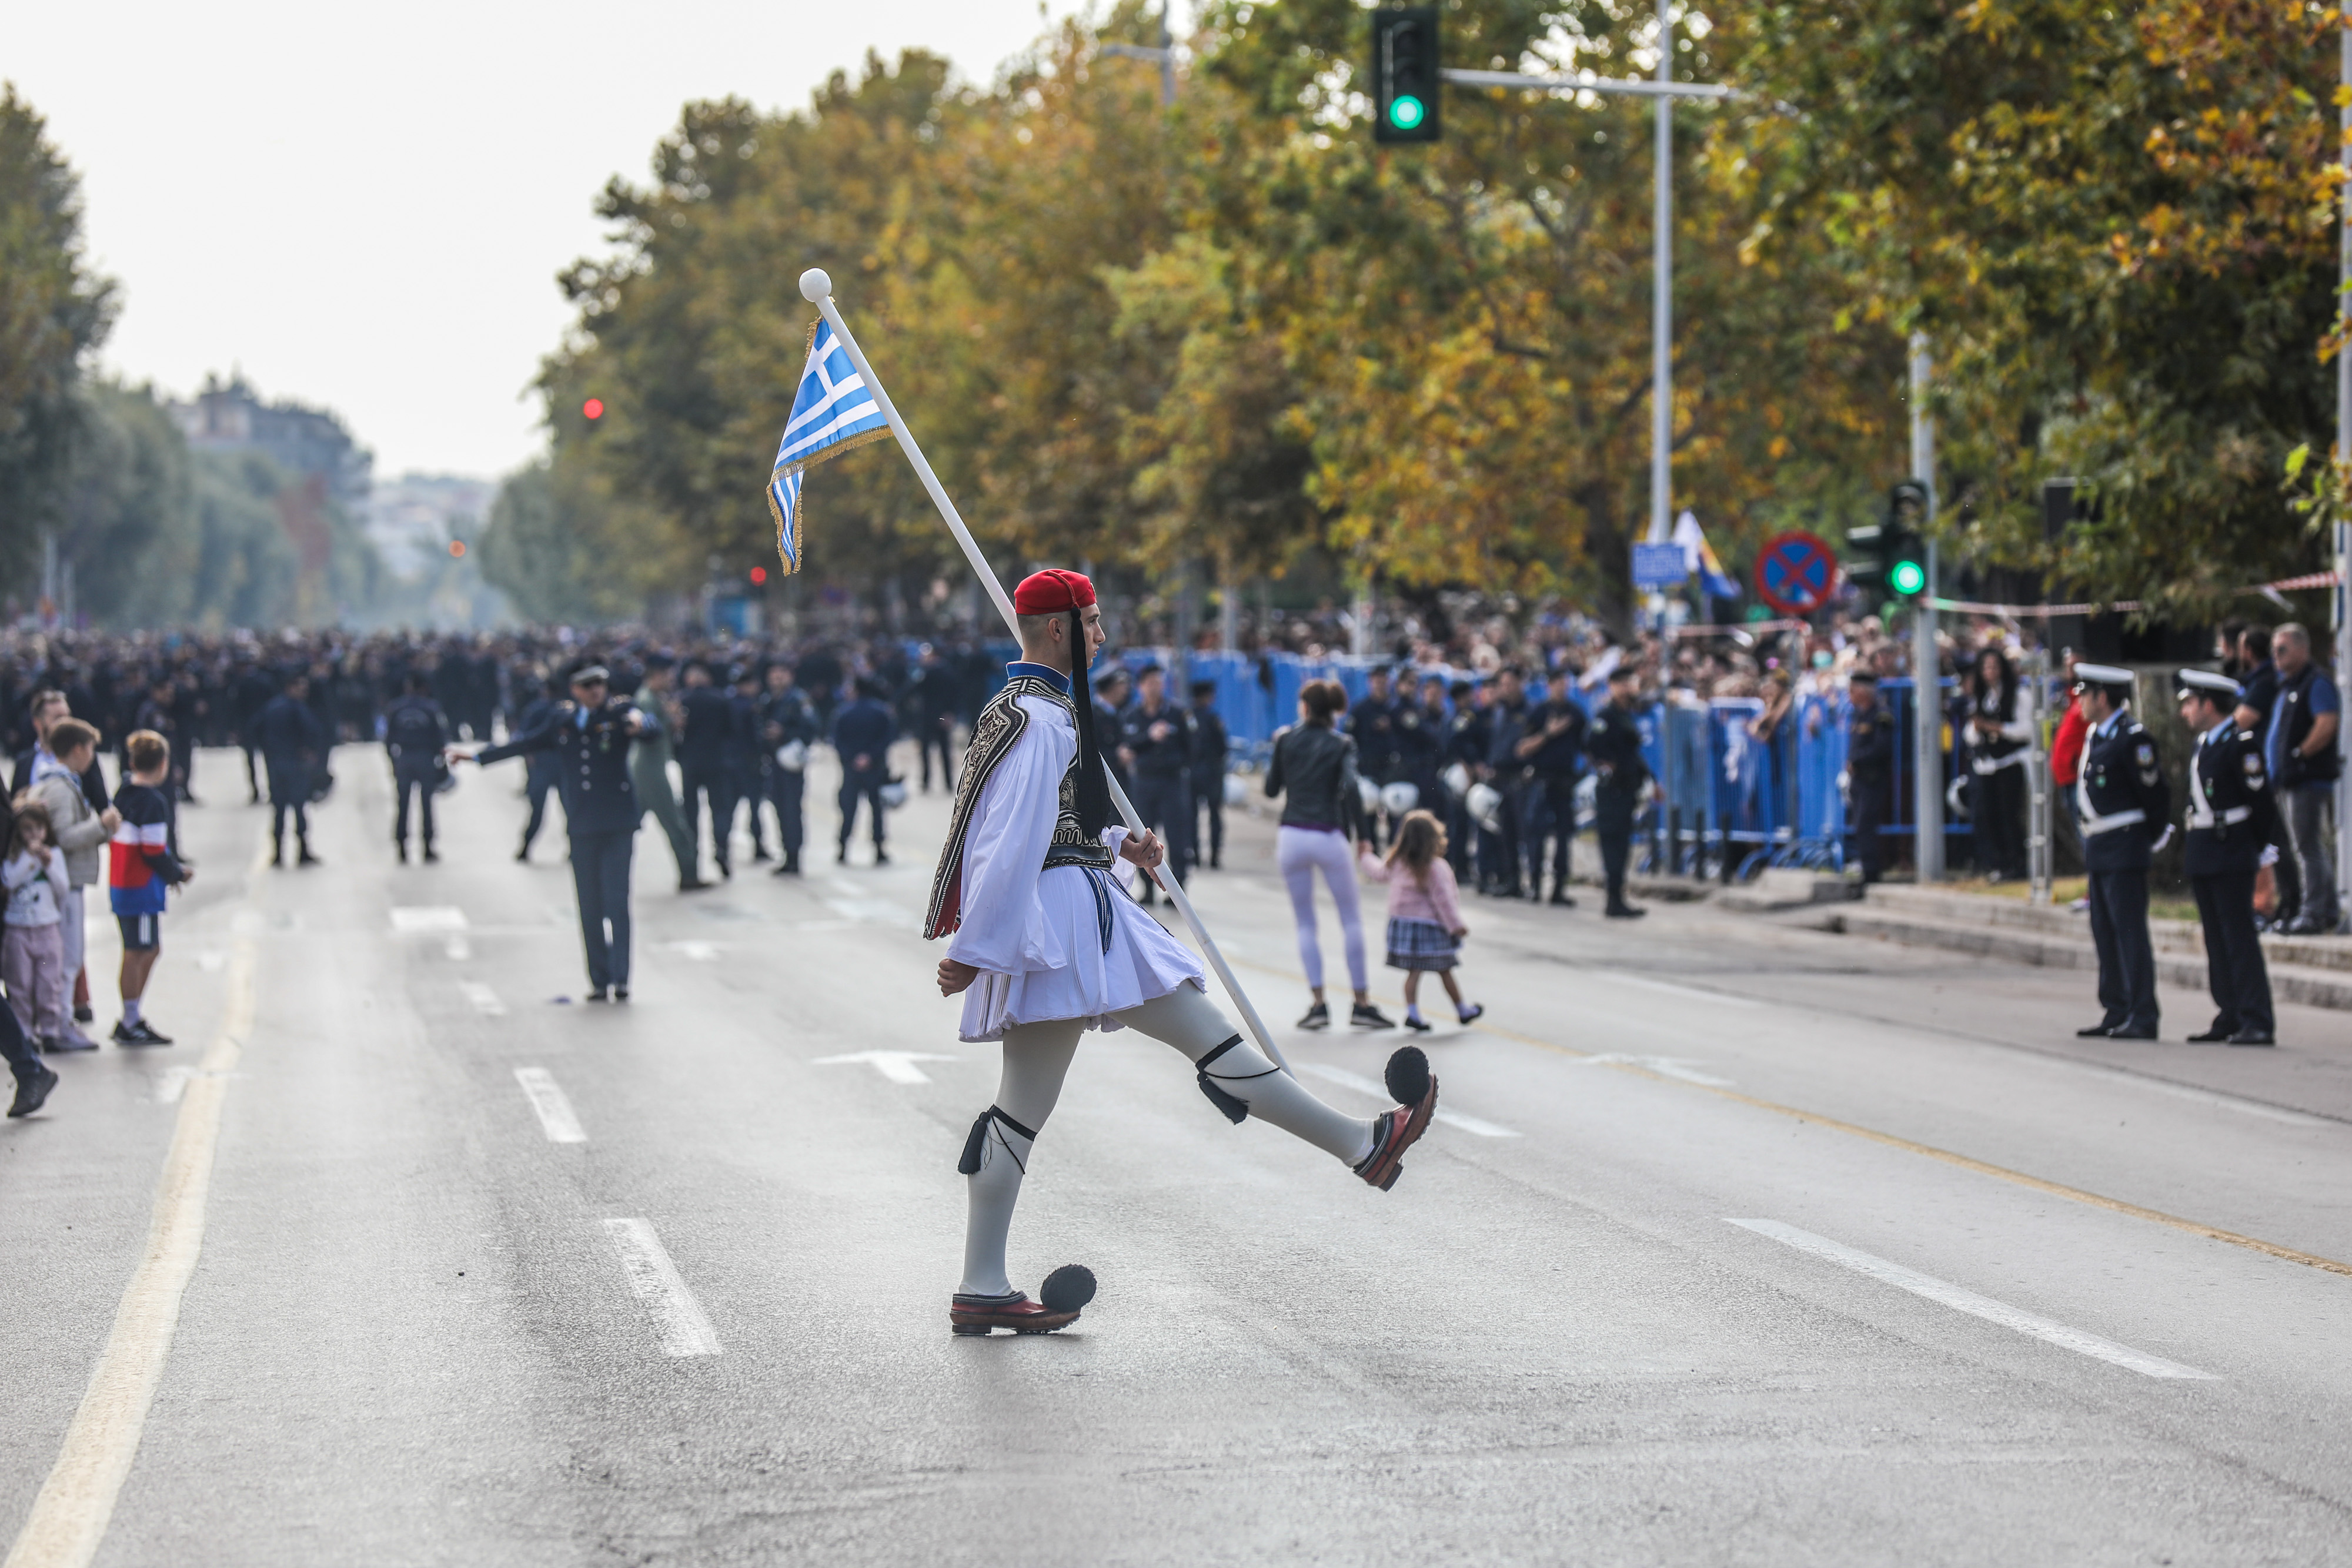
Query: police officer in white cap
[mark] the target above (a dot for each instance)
(2122, 805)
(2231, 812)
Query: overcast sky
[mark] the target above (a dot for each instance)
(366, 208)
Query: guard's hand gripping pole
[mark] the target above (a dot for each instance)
(816, 288)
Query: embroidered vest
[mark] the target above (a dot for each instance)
(999, 726)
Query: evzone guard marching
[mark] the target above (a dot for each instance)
(1045, 946)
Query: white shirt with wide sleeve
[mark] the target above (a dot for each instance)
(1036, 933)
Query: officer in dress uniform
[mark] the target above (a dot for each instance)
(1616, 748)
(1211, 746)
(2231, 809)
(1869, 770)
(416, 729)
(788, 728)
(590, 736)
(2120, 800)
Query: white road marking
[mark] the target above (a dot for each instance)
(457, 949)
(556, 1118)
(897, 1066)
(686, 1330)
(1664, 1066)
(486, 1001)
(2213, 1097)
(1694, 993)
(1362, 1084)
(857, 900)
(700, 952)
(1968, 1302)
(172, 1085)
(69, 1517)
(410, 918)
(211, 960)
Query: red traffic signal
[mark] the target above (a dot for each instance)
(594, 408)
(759, 575)
(456, 550)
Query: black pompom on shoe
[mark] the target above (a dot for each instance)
(1067, 1289)
(1408, 1075)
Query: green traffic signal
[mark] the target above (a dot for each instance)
(1908, 576)
(1406, 81)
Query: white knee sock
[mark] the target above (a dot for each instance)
(992, 1193)
(1036, 1057)
(1188, 1021)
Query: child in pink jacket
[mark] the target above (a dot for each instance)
(1425, 927)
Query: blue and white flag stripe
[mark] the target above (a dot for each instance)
(833, 412)
(785, 501)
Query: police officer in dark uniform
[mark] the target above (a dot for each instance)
(293, 741)
(703, 740)
(415, 734)
(1551, 751)
(1421, 741)
(2119, 800)
(1373, 722)
(1869, 771)
(542, 777)
(590, 736)
(788, 728)
(1467, 734)
(1211, 746)
(1615, 745)
(748, 762)
(1157, 736)
(2229, 810)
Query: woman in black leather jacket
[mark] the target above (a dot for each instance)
(1314, 770)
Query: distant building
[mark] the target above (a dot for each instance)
(309, 442)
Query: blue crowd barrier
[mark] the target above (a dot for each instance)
(1735, 802)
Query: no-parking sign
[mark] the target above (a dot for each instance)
(1796, 571)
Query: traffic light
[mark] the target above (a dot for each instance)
(1902, 544)
(594, 408)
(1404, 75)
(1891, 557)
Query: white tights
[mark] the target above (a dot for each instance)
(1300, 853)
(1036, 1057)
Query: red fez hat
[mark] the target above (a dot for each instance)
(1043, 592)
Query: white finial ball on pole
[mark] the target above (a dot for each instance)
(815, 285)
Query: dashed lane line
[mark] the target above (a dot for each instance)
(556, 1117)
(1958, 1299)
(486, 1001)
(1364, 1085)
(1670, 987)
(1677, 1067)
(686, 1329)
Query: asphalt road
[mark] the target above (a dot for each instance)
(1743, 1244)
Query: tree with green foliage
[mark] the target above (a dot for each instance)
(53, 312)
(2117, 225)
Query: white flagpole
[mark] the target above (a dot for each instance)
(817, 290)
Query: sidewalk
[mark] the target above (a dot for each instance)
(2315, 971)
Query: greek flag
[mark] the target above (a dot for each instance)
(833, 412)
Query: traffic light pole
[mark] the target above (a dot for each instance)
(1662, 295)
(1926, 692)
(2343, 595)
